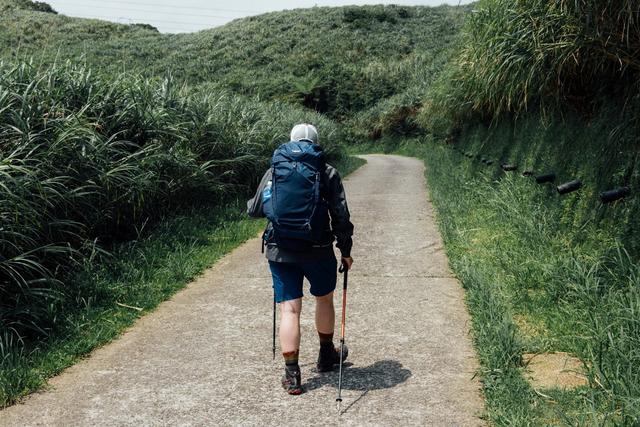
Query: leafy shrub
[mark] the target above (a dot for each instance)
(361, 16)
(396, 114)
(146, 27)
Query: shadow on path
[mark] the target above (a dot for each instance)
(382, 374)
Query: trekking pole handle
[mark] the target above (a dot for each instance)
(344, 270)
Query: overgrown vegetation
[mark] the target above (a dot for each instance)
(569, 262)
(538, 55)
(536, 285)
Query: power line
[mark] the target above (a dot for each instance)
(113, 18)
(153, 11)
(174, 7)
(120, 19)
(169, 30)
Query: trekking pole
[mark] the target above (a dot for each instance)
(274, 325)
(345, 271)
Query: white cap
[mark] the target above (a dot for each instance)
(305, 132)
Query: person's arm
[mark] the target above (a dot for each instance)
(341, 225)
(254, 205)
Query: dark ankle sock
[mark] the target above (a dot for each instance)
(291, 360)
(326, 340)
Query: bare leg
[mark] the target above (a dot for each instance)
(325, 314)
(290, 325)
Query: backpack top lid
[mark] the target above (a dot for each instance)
(300, 151)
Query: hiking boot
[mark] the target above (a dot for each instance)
(291, 382)
(329, 359)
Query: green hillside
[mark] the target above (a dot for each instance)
(334, 60)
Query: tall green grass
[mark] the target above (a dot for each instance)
(105, 293)
(601, 152)
(550, 87)
(515, 56)
(88, 162)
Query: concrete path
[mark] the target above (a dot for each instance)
(204, 357)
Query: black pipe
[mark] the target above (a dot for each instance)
(508, 167)
(548, 177)
(569, 187)
(615, 194)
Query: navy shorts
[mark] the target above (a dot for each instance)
(288, 278)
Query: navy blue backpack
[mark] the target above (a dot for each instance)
(293, 204)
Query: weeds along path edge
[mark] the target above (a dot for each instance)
(138, 278)
(534, 285)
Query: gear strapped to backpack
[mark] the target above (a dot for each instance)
(293, 204)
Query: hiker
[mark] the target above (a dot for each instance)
(304, 199)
